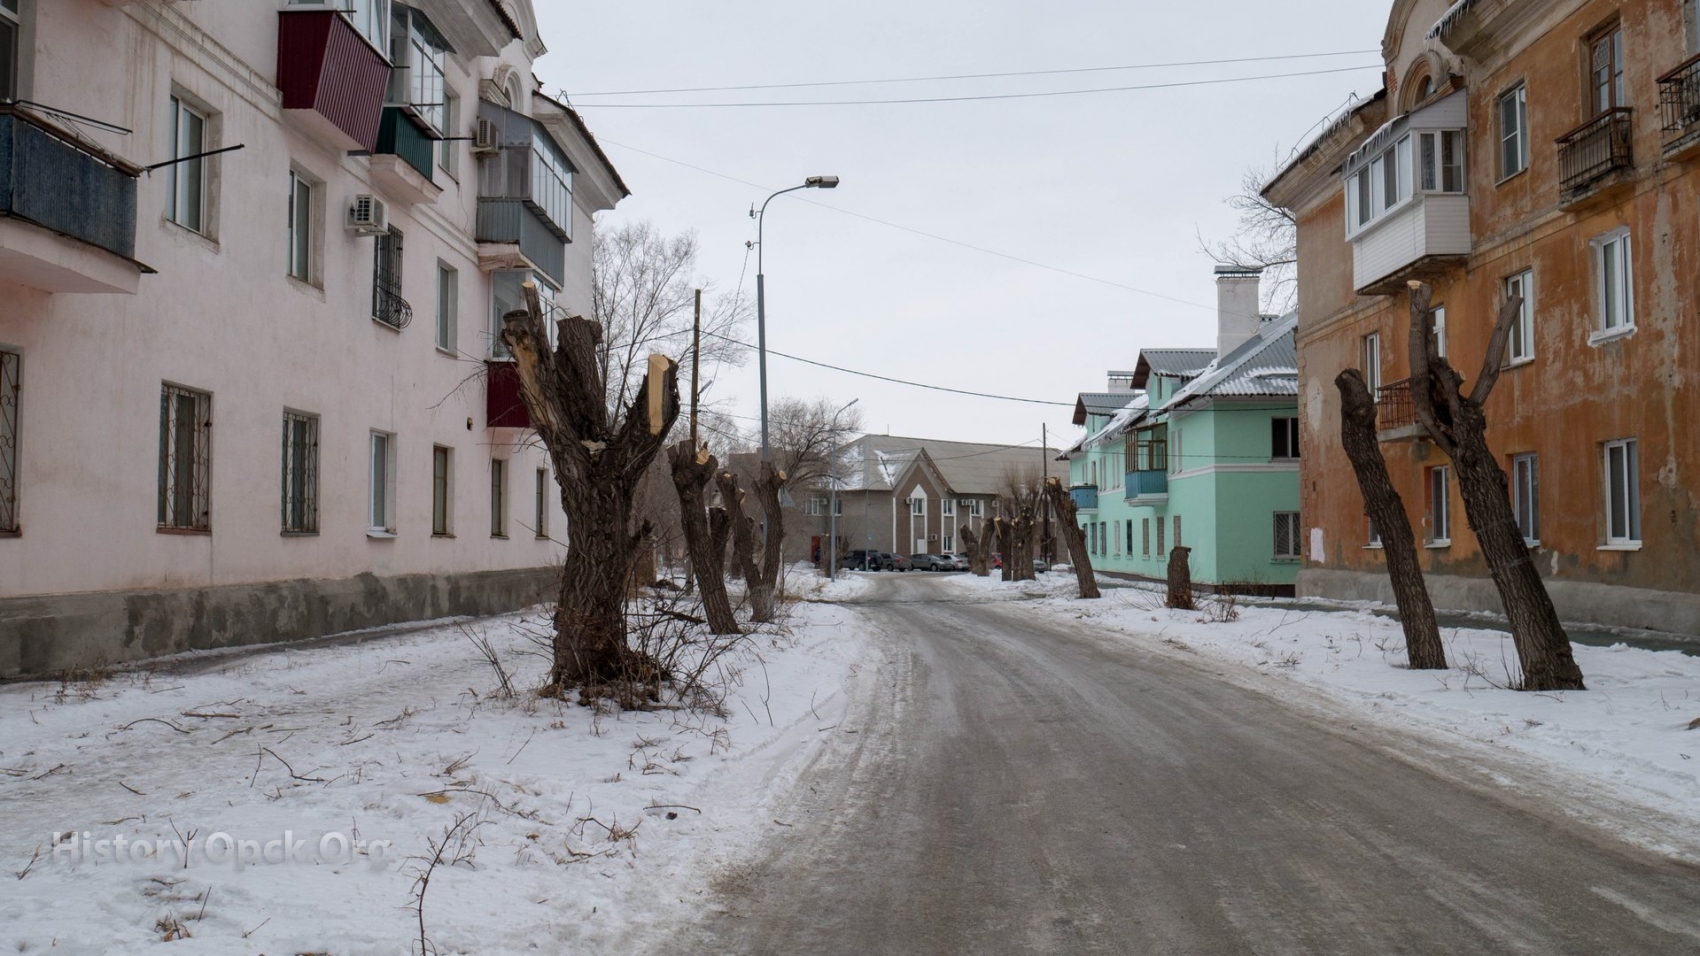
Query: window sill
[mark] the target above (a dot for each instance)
(298, 534)
(498, 537)
(1286, 559)
(203, 532)
(451, 353)
(1507, 178)
(393, 328)
(541, 537)
(1372, 547)
(380, 535)
(1532, 544)
(1517, 363)
(12, 534)
(442, 534)
(306, 285)
(190, 232)
(1601, 338)
(1620, 546)
(1439, 544)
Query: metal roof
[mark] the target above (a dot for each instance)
(876, 462)
(1176, 363)
(1267, 364)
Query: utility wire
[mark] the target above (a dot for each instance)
(976, 76)
(984, 96)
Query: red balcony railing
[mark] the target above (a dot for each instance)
(1595, 149)
(1393, 406)
(325, 65)
(503, 406)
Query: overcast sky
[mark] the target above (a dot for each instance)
(1109, 185)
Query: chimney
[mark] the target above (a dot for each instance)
(1237, 314)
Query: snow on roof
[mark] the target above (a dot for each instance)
(1129, 414)
(1449, 19)
(1266, 364)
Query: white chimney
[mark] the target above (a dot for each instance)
(1237, 315)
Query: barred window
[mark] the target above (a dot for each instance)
(11, 380)
(498, 498)
(1286, 534)
(542, 503)
(185, 459)
(300, 473)
(388, 306)
(1177, 541)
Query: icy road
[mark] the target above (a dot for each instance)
(1005, 784)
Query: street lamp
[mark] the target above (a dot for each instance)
(832, 507)
(813, 182)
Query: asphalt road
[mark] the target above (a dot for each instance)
(1018, 787)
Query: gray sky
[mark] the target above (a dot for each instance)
(1109, 185)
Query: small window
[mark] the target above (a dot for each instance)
(448, 296)
(1177, 542)
(949, 542)
(185, 459)
(542, 503)
(1437, 330)
(1372, 536)
(838, 507)
(1145, 536)
(11, 382)
(1605, 71)
(816, 507)
(1284, 438)
(507, 294)
(388, 306)
(947, 507)
(1370, 355)
(974, 506)
(300, 473)
(1160, 549)
(448, 158)
(1513, 132)
(1286, 534)
(1623, 492)
(1521, 346)
(11, 28)
(442, 490)
(917, 506)
(1615, 298)
(300, 228)
(1525, 496)
(186, 187)
(380, 494)
(498, 498)
(1440, 505)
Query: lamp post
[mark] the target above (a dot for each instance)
(832, 505)
(813, 182)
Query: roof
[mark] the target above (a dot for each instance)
(595, 147)
(1174, 363)
(875, 462)
(1099, 403)
(1129, 415)
(1267, 364)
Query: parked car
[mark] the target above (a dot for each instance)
(896, 562)
(864, 560)
(930, 562)
(997, 561)
(1039, 566)
(958, 562)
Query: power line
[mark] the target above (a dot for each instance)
(984, 96)
(975, 76)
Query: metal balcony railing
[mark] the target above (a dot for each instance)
(1679, 98)
(514, 220)
(1085, 497)
(1147, 483)
(1595, 149)
(1393, 405)
(56, 182)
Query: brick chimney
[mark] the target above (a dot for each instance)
(1237, 315)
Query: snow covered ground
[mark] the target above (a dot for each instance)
(1634, 734)
(310, 786)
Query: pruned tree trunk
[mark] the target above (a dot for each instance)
(1023, 530)
(744, 562)
(768, 485)
(1423, 649)
(1074, 537)
(599, 461)
(1005, 540)
(692, 468)
(979, 556)
(1180, 579)
(1458, 425)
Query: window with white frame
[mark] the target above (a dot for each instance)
(815, 507)
(1440, 505)
(542, 503)
(11, 48)
(1130, 537)
(507, 294)
(380, 490)
(1430, 161)
(949, 544)
(300, 227)
(185, 186)
(11, 390)
(1437, 330)
(498, 498)
(947, 507)
(1513, 112)
(974, 507)
(1441, 158)
(448, 157)
(448, 296)
(917, 506)
(1286, 534)
(1284, 438)
(838, 507)
(370, 18)
(1614, 298)
(1372, 536)
(442, 491)
(1525, 496)
(420, 56)
(300, 473)
(185, 459)
(1521, 346)
(1623, 492)
(1370, 357)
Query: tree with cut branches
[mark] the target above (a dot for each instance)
(1068, 525)
(705, 536)
(1457, 423)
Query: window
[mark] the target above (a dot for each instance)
(371, 18)
(300, 228)
(1175, 459)
(1159, 537)
(1284, 438)
(185, 459)
(1513, 132)
(380, 510)
(1437, 330)
(1521, 347)
(420, 56)
(300, 473)
(1605, 71)
(447, 156)
(1145, 536)
(917, 506)
(838, 507)
(1091, 538)
(542, 526)
(1372, 537)
(815, 507)
(1441, 161)
(1439, 506)
(1286, 534)
(1525, 496)
(388, 306)
(448, 295)
(11, 27)
(498, 498)
(529, 165)
(949, 544)
(1615, 301)
(974, 506)
(1177, 541)
(11, 382)
(186, 189)
(947, 507)
(1623, 493)
(1371, 357)
(506, 295)
(1130, 537)
(442, 490)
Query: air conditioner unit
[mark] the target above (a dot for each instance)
(368, 216)
(484, 136)
(932, 537)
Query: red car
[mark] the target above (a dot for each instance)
(997, 560)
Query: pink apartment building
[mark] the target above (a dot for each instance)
(251, 258)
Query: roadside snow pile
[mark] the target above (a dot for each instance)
(1053, 583)
(1636, 730)
(312, 786)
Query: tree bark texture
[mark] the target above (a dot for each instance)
(1423, 648)
(1074, 537)
(744, 561)
(1180, 579)
(1026, 532)
(1004, 541)
(598, 463)
(768, 485)
(979, 555)
(692, 468)
(1458, 425)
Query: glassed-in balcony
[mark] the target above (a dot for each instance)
(515, 223)
(332, 80)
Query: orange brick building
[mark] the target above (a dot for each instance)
(1549, 148)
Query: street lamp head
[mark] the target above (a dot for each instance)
(822, 182)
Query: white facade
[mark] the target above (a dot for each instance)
(220, 314)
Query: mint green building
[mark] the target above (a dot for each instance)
(1197, 447)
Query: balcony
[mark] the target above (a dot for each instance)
(1144, 487)
(503, 407)
(1396, 413)
(402, 166)
(1679, 108)
(67, 213)
(333, 81)
(1594, 155)
(511, 235)
(1085, 497)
